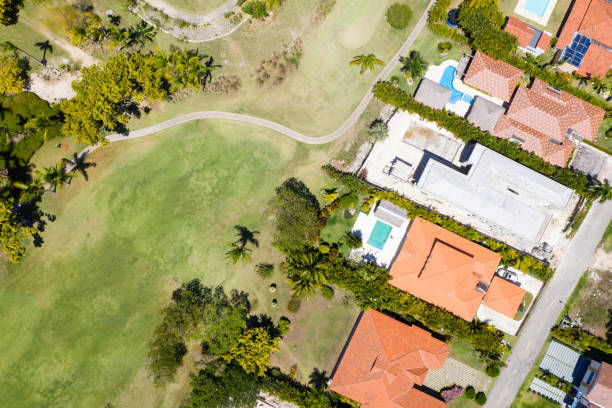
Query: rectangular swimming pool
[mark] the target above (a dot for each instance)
(379, 235)
(537, 7)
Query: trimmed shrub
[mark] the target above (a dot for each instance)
(284, 324)
(481, 398)
(265, 270)
(399, 15)
(348, 200)
(444, 47)
(272, 288)
(365, 207)
(327, 292)
(470, 392)
(580, 339)
(450, 394)
(492, 371)
(255, 8)
(323, 248)
(294, 304)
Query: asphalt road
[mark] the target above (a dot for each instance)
(549, 306)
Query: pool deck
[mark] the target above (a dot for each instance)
(363, 226)
(435, 73)
(543, 20)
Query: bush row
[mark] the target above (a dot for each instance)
(436, 23)
(580, 339)
(510, 256)
(388, 93)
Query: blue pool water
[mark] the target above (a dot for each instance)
(447, 81)
(379, 235)
(537, 7)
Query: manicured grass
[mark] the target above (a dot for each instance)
(464, 352)
(602, 141)
(427, 45)
(528, 399)
(525, 304)
(607, 238)
(463, 402)
(196, 6)
(78, 312)
(338, 225)
(554, 23)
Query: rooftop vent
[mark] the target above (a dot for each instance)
(555, 141)
(482, 287)
(555, 90)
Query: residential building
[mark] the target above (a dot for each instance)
(492, 76)
(385, 362)
(548, 122)
(530, 39)
(596, 385)
(504, 297)
(443, 268)
(586, 37)
(498, 191)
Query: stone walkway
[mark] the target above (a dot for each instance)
(454, 372)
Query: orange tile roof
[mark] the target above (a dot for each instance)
(443, 268)
(520, 30)
(544, 41)
(538, 115)
(596, 62)
(383, 361)
(597, 22)
(572, 23)
(504, 297)
(601, 393)
(494, 77)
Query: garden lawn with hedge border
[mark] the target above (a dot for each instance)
(79, 312)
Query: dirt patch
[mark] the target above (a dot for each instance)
(272, 72)
(54, 87)
(592, 308)
(421, 132)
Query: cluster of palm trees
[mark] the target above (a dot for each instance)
(114, 36)
(238, 250)
(185, 68)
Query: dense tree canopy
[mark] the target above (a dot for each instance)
(252, 350)
(296, 211)
(106, 93)
(12, 232)
(11, 75)
(482, 21)
(231, 388)
(9, 10)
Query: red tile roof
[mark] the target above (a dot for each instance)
(443, 268)
(383, 361)
(601, 394)
(494, 77)
(520, 30)
(544, 41)
(504, 297)
(541, 116)
(596, 62)
(592, 18)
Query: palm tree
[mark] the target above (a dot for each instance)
(188, 70)
(78, 164)
(237, 252)
(366, 62)
(43, 124)
(8, 46)
(602, 191)
(119, 37)
(55, 177)
(414, 65)
(379, 129)
(246, 236)
(306, 273)
(45, 47)
(318, 379)
(141, 33)
(29, 191)
(78, 35)
(352, 240)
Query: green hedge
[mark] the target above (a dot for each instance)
(510, 256)
(287, 389)
(388, 93)
(436, 23)
(580, 339)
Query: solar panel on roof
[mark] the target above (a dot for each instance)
(560, 361)
(547, 390)
(577, 49)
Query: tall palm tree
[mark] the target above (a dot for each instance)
(78, 35)
(119, 37)
(188, 70)
(141, 33)
(29, 191)
(44, 46)
(237, 253)
(246, 236)
(302, 285)
(8, 46)
(602, 191)
(414, 65)
(379, 129)
(43, 124)
(79, 165)
(306, 273)
(366, 62)
(56, 177)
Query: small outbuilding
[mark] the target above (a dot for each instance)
(432, 94)
(484, 114)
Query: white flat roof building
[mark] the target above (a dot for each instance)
(497, 190)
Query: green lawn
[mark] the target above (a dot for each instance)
(427, 45)
(607, 238)
(78, 312)
(602, 141)
(464, 352)
(196, 6)
(554, 23)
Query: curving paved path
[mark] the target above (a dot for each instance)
(276, 126)
(198, 19)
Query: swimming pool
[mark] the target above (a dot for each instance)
(379, 235)
(537, 7)
(447, 81)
